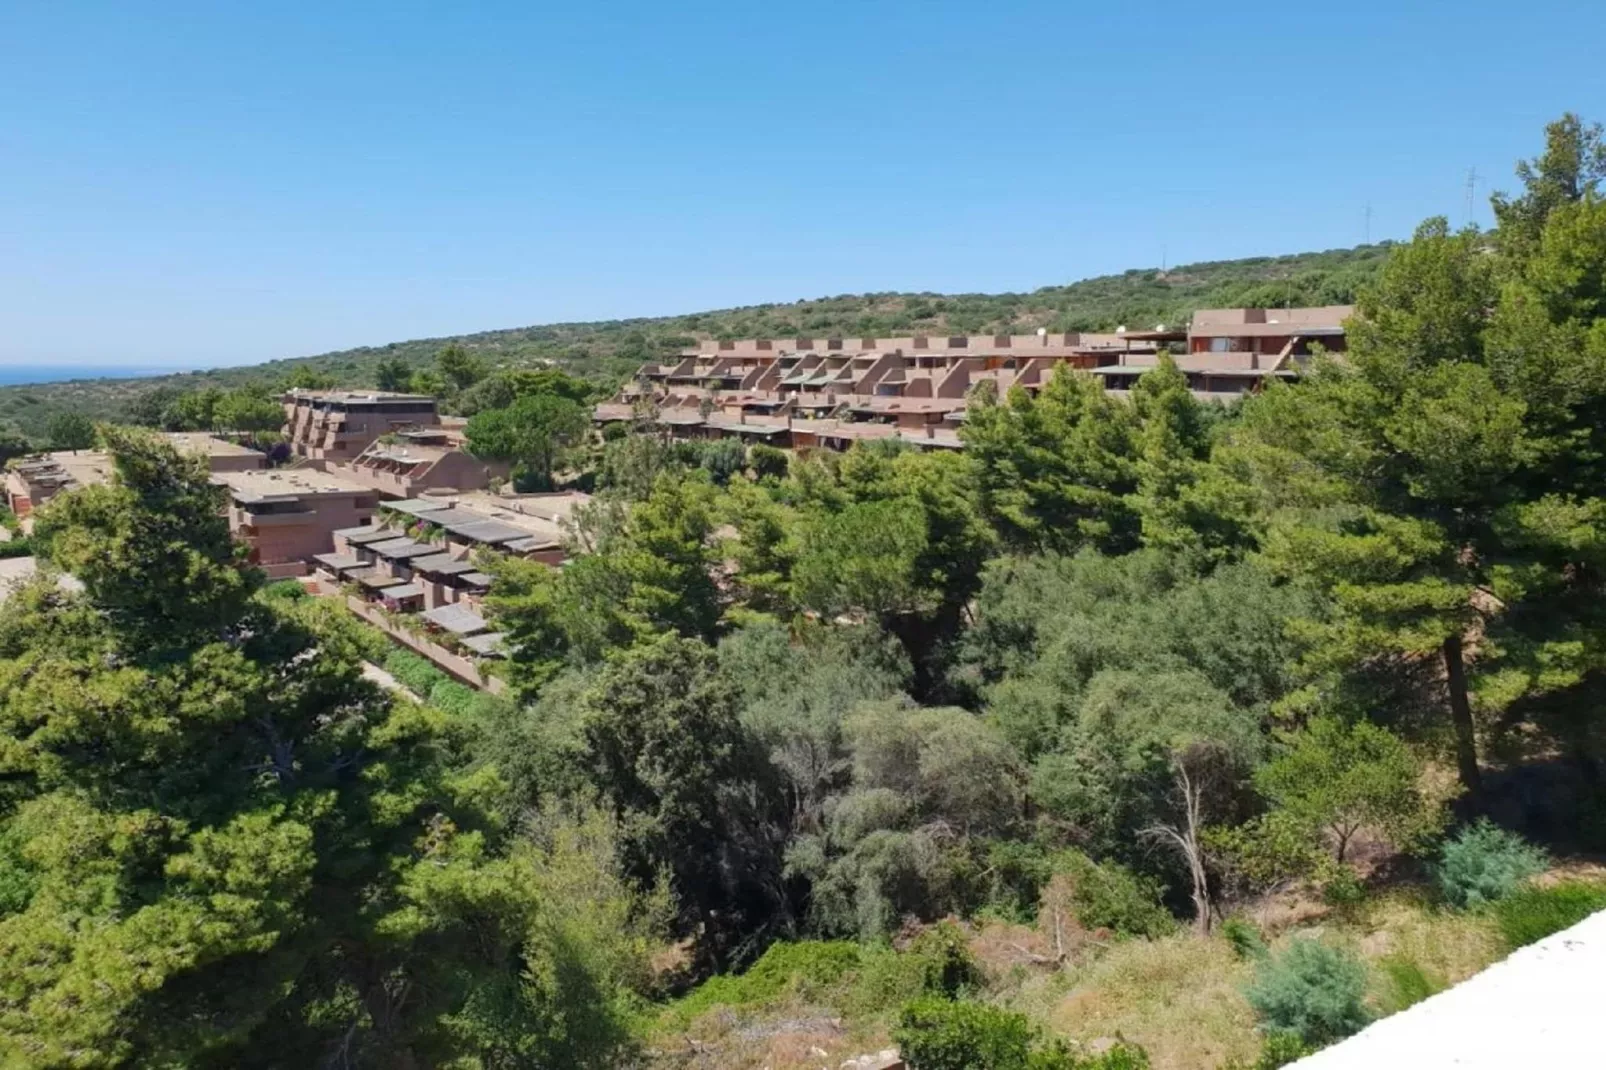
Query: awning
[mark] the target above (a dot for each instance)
(529, 543)
(402, 549)
(338, 562)
(455, 618)
(488, 645)
(441, 564)
(367, 534)
(486, 531)
(417, 507)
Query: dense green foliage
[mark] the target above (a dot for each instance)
(791, 727)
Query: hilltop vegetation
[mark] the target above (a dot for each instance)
(608, 351)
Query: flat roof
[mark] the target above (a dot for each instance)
(211, 445)
(403, 590)
(416, 507)
(376, 579)
(265, 485)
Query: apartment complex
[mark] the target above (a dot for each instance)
(406, 464)
(287, 517)
(332, 426)
(32, 481)
(419, 557)
(832, 391)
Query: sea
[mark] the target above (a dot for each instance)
(22, 374)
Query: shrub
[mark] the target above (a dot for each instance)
(1280, 1049)
(724, 459)
(1245, 938)
(805, 968)
(940, 1034)
(1531, 914)
(1059, 1056)
(1485, 863)
(290, 590)
(768, 462)
(947, 967)
(1107, 895)
(1408, 982)
(17, 546)
(1312, 990)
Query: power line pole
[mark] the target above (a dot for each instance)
(1472, 188)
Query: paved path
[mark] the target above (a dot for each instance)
(373, 672)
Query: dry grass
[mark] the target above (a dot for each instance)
(1180, 997)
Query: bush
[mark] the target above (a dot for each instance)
(768, 462)
(1280, 1049)
(804, 968)
(1107, 895)
(289, 590)
(17, 546)
(1312, 990)
(1059, 1056)
(723, 459)
(1245, 938)
(947, 967)
(1531, 914)
(940, 1034)
(1485, 863)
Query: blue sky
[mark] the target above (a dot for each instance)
(202, 183)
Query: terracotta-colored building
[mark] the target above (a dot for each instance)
(287, 517)
(807, 392)
(407, 464)
(32, 481)
(333, 426)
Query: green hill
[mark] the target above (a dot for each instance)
(612, 349)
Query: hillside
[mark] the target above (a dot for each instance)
(612, 349)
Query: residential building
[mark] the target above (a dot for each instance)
(431, 542)
(808, 392)
(32, 481)
(406, 464)
(333, 426)
(287, 517)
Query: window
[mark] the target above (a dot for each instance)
(765, 344)
(833, 343)
(1221, 345)
(921, 342)
(958, 341)
(1002, 341)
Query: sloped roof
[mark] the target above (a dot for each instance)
(367, 534)
(442, 564)
(455, 618)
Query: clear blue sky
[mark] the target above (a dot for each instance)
(205, 183)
